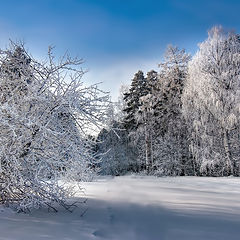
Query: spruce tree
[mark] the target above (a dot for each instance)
(137, 90)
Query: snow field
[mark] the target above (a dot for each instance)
(138, 208)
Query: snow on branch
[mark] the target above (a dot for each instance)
(46, 114)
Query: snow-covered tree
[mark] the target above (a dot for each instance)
(137, 89)
(132, 104)
(116, 153)
(45, 115)
(172, 148)
(211, 104)
(154, 108)
(144, 134)
(121, 103)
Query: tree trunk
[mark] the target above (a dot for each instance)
(227, 151)
(146, 149)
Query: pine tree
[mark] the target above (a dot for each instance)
(137, 90)
(132, 102)
(145, 119)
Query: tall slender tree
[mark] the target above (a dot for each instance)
(172, 149)
(137, 90)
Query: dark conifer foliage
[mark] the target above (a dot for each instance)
(137, 90)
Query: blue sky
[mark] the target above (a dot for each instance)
(115, 37)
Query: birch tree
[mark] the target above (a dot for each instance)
(211, 104)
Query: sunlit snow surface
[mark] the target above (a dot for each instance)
(132, 207)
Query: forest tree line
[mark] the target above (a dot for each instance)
(183, 119)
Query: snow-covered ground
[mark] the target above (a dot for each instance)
(138, 208)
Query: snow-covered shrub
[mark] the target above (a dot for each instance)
(45, 115)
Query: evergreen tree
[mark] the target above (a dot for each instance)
(145, 117)
(131, 122)
(137, 90)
